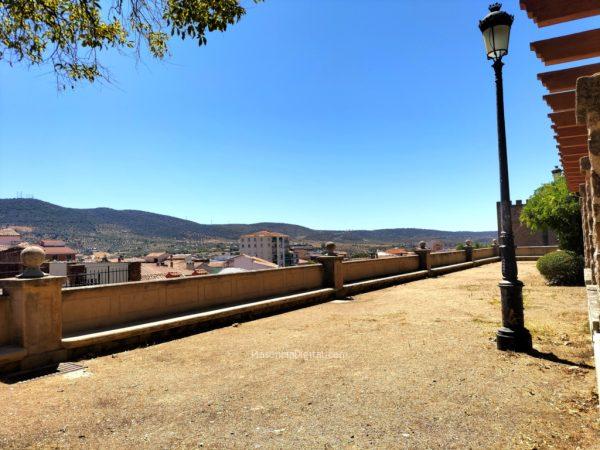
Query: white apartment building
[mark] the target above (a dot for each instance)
(274, 247)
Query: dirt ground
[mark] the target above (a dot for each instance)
(413, 366)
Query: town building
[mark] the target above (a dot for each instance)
(8, 236)
(247, 262)
(101, 256)
(273, 247)
(10, 259)
(157, 257)
(57, 250)
(303, 251)
(397, 251)
(244, 263)
(436, 245)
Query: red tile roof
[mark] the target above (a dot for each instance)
(59, 251)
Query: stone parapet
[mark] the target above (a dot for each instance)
(43, 323)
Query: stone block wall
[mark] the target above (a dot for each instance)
(363, 269)
(94, 307)
(524, 236)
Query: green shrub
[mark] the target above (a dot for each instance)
(562, 268)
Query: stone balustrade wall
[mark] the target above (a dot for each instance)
(364, 269)
(39, 319)
(94, 307)
(483, 253)
(450, 258)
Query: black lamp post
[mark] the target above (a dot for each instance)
(513, 335)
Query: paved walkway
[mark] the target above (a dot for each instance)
(409, 366)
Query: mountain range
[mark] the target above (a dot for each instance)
(97, 225)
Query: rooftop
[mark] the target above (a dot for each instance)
(52, 243)
(413, 365)
(59, 251)
(396, 251)
(8, 232)
(265, 233)
(156, 254)
(257, 260)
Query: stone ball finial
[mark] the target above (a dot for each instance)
(330, 247)
(494, 241)
(32, 257)
(468, 242)
(422, 245)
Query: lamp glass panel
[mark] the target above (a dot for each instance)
(496, 41)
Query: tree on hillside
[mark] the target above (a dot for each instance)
(554, 207)
(71, 35)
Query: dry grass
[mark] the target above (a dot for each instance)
(412, 366)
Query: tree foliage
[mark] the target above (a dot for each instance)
(475, 244)
(554, 207)
(71, 35)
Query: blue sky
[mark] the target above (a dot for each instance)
(334, 114)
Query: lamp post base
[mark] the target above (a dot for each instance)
(513, 335)
(514, 340)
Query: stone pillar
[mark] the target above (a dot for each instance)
(468, 250)
(583, 206)
(424, 257)
(588, 114)
(36, 318)
(332, 266)
(587, 218)
(35, 322)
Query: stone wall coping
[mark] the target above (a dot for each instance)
(32, 281)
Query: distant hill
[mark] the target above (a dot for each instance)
(86, 227)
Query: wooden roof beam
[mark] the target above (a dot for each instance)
(561, 101)
(571, 47)
(572, 171)
(570, 131)
(572, 141)
(573, 153)
(563, 119)
(574, 179)
(551, 12)
(566, 79)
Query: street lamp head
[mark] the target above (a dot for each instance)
(495, 28)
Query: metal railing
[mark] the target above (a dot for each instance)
(10, 274)
(97, 277)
